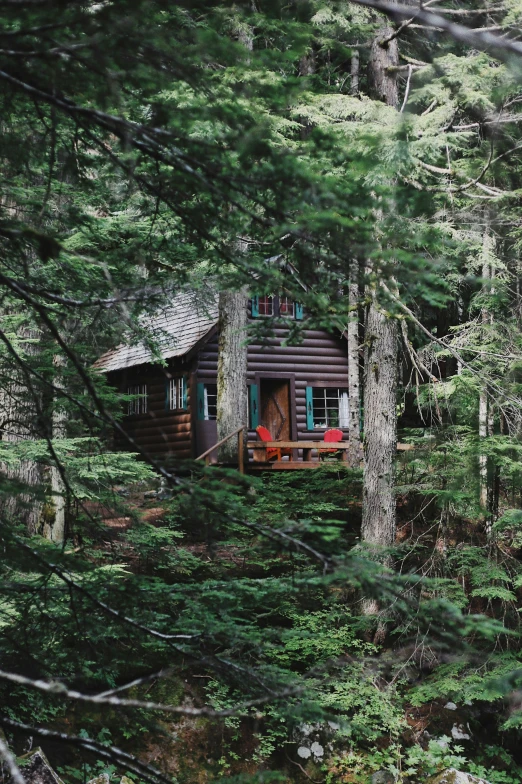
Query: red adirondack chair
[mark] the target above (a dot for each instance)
(271, 451)
(330, 437)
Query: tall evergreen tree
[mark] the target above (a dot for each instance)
(157, 140)
(381, 334)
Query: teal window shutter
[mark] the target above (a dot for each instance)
(184, 392)
(309, 408)
(167, 394)
(200, 401)
(255, 308)
(298, 311)
(254, 406)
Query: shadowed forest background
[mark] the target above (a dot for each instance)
(356, 163)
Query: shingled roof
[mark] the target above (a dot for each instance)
(175, 330)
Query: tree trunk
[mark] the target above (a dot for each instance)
(23, 506)
(483, 461)
(354, 72)
(380, 373)
(518, 292)
(380, 429)
(354, 389)
(383, 57)
(485, 423)
(19, 422)
(232, 371)
(54, 529)
(56, 508)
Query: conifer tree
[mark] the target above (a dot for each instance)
(380, 371)
(162, 131)
(232, 372)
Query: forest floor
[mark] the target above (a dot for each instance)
(417, 710)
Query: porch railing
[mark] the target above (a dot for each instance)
(240, 433)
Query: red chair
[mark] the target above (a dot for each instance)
(330, 437)
(271, 451)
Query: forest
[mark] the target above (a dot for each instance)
(261, 391)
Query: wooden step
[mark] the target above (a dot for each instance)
(297, 465)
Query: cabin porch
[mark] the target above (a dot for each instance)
(300, 455)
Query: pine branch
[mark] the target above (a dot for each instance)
(494, 389)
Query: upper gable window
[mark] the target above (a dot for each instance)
(263, 306)
(138, 404)
(286, 307)
(268, 305)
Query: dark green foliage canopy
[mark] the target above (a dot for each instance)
(140, 141)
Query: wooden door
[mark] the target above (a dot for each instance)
(275, 407)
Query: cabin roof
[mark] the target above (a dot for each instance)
(171, 332)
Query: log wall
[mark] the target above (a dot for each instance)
(160, 432)
(320, 360)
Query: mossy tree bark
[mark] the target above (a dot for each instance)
(486, 411)
(232, 371)
(54, 524)
(380, 376)
(20, 405)
(354, 387)
(380, 429)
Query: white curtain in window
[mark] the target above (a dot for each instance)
(205, 402)
(344, 410)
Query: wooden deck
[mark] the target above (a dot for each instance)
(313, 454)
(304, 454)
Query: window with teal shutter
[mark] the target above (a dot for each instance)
(253, 400)
(309, 408)
(298, 311)
(200, 401)
(255, 307)
(184, 392)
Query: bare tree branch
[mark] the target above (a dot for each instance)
(112, 753)
(480, 39)
(58, 689)
(12, 767)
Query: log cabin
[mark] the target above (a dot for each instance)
(296, 391)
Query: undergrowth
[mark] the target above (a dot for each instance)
(432, 694)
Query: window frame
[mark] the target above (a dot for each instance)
(314, 395)
(202, 400)
(177, 389)
(259, 302)
(140, 403)
(288, 301)
(206, 415)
